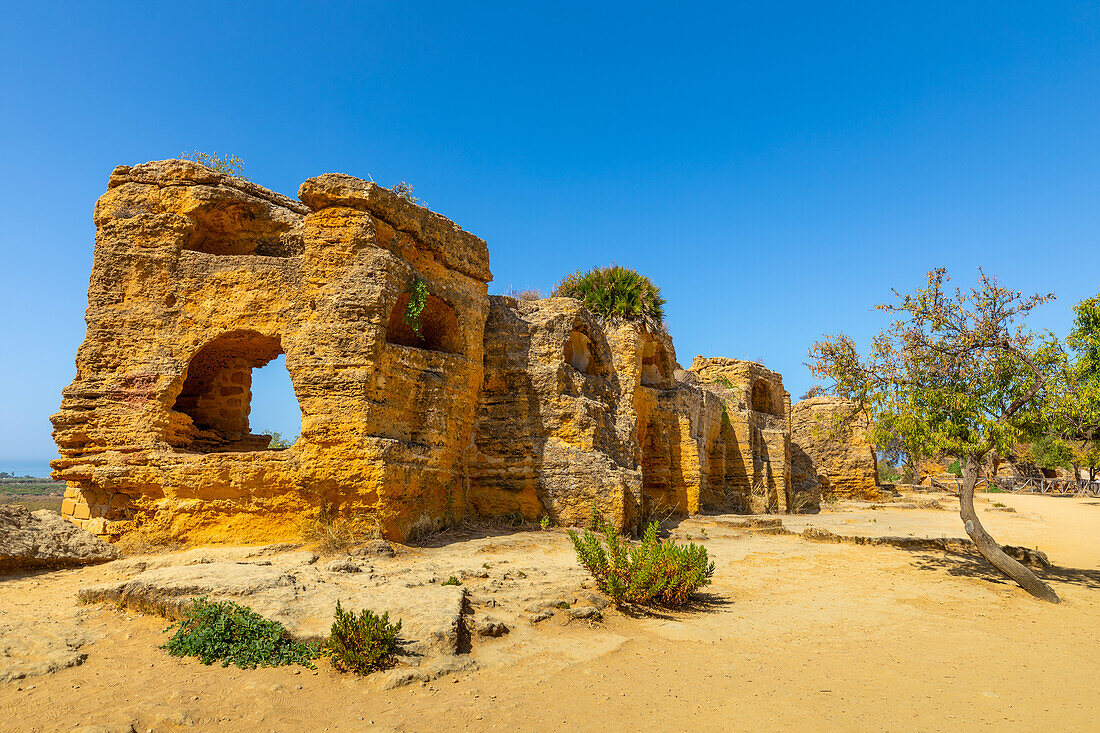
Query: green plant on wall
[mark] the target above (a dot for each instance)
(231, 164)
(405, 191)
(418, 298)
(614, 292)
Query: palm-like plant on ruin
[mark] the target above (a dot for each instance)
(956, 373)
(615, 292)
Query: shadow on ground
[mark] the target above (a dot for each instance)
(975, 566)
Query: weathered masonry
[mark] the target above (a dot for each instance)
(491, 406)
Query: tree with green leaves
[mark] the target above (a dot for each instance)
(1072, 401)
(956, 373)
(1051, 453)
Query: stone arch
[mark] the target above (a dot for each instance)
(580, 353)
(216, 395)
(656, 367)
(438, 326)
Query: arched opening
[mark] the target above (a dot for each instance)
(438, 326)
(238, 228)
(580, 354)
(762, 400)
(275, 410)
(655, 363)
(217, 393)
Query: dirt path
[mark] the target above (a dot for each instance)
(793, 635)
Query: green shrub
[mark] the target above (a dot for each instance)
(453, 580)
(544, 523)
(648, 573)
(1050, 453)
(614, 292)
(234, 634)
(363, 643)
(954, 469)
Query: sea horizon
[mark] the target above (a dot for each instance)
(35, 467)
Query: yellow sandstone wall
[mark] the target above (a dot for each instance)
(198, 278)
(833, 451)
(496, 406)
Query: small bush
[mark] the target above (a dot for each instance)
(233, 634)
(544, 523)
(405, 191)
(529, 294)
(453, 580)
(954, 469)
(230, 164)
(614, 292)
(363, 643)
(649, 573)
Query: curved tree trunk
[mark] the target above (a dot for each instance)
(988, 547)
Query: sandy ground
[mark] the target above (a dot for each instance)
(793, 635)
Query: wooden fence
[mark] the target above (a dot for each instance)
(1021, 485)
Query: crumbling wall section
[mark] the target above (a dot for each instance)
(553, 435)
(833, 451)
(758, 410)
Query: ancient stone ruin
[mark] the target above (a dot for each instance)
(492, 406)
(832, 451)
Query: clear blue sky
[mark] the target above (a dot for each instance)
(775, 168)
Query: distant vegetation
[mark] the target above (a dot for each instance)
(33, 493)
(12, 484)
(814, 391)
(528, 294)
(278, 442)
(614, 292)
(229, 164)
(888, 473)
